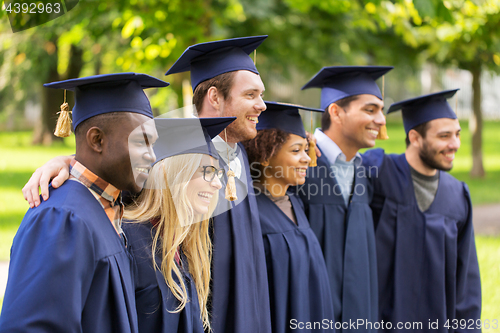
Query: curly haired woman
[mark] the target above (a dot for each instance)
(298, 281)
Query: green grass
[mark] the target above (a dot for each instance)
(488, 252)
(18, 160)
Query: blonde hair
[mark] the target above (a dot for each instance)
(170, 206)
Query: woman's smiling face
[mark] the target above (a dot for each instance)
(289, 166)
(201, 192)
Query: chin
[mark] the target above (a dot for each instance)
(446, 167)
(249, 134)
(369, 144)
(300, 181)
(200, 210)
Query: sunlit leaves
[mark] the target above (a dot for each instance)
(134, 25)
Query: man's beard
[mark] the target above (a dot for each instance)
(427, 155)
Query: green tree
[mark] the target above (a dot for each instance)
(459, 33)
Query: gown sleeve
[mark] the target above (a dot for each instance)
(51, 256)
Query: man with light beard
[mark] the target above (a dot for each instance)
(427, 264)
(226, 83)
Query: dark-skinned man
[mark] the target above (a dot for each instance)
(70, 270)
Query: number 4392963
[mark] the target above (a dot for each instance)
(33, 8)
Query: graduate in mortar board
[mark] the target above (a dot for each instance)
(169, 222)
(337, 192)
(226, 83)
(427, 262)
(298, 280)
(69, 269)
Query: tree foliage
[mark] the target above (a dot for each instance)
(99, 36)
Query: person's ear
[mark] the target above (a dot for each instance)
(334, 111)
(214, 99)
(95, 139)
(414, 138)
(265, 163)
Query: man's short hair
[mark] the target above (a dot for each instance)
(104, 121)
(421, 129)
(223, 82)
(343, 103)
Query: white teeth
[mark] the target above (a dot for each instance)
(206, 195)
(143, 170)
(255, 119)
(373, 131)
(450, 155)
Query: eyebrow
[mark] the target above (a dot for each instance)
(252, 89)
(297, 144)
(374, 104)
(449, 132)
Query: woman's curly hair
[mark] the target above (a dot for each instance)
(265, 145)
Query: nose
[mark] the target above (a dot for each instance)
(150, 155)
(380, 118)
(455, 142)
(215, 183)
(260, 106)
(305, 157)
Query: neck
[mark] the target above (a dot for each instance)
(274, 186)
(417, 164)
(231, 144)
(91, 163)
(347, 149)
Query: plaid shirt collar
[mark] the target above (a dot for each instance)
(107, 195)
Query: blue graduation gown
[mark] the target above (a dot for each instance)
(69, 269)
(240, 297)
(299, 288)
(347, 238)
(154, 298)
(427, 261)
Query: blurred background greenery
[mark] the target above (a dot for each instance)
(433, 45)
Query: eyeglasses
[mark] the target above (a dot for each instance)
(209, 173)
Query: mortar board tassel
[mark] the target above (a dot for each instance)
(63, 126)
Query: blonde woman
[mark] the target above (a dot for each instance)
(171, 224)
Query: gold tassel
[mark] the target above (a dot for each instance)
(312, 154)
(63, 127)
(231, 186)
(312, 148)
(382, 134)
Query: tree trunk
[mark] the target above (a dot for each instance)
(53, 98)
(51, 101)
(74, 68)
(476, 126)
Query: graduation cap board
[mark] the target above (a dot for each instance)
(99, 94)
(177, 136)
(286, 117)
(338, 82)
(207, 60)
(425, 108)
